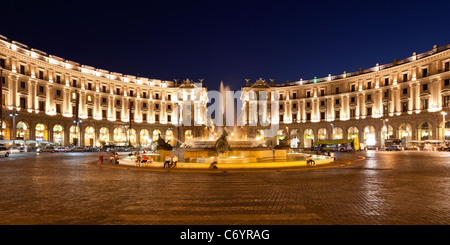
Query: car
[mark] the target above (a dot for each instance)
(394, 148)
(77, 149)
(46, 149)
(62, 149)
(14, 150)
(444, 148)
(4, 151)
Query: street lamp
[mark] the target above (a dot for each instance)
(1, 103)
(443, 124)
(387, 128)
(332, 131)
(77, 122)
(127, 134)
(14, 114)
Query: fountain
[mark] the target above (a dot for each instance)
(232, 147)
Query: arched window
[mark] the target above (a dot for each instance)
(22, 131)
(73, 135)
(144, 138)
(104, 135)
(58, 134)
(352, 133)
(338, 133)
(294, 138)
(405, 133)
(322, 133)
(308, 138)
(188, 135)
(89, 136)
(169, 137)
(132, 136)
(424, 131)
(281, 135)
(5, 131)
(369, 136)
(41, 132)
(119, 135)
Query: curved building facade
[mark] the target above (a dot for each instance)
(47, 99)
(52, 100)
(405, 100)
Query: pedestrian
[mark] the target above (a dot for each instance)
(101, 158)
(332, 155)
(167, 162)
(138, 160)
(213, 164)
(310, 161)
(174, 161)
(144, 160)
(116, 158)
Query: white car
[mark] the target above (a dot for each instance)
(62, 149)
(394, 148)
(14, 150)
(4, 151)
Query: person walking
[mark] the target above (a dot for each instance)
(101, 158)
(138, 160)
(144, 161)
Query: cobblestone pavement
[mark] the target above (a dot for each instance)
(384, 188)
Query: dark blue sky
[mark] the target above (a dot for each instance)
(228, 41)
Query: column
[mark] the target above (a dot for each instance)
(66, 104)
(97, 110)
(49, 100)
(358, 105)
(398, 107)
(12, 85)
(124, 114)
(137, 111)
(330, 109)
(412, 90)
(417, 98)
(111, 111)
(32, 95)
(363, 105)
(82, 107)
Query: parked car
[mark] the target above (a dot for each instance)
(77, 149)
(62, 149)
(4, 151)
(444, 148)
(394, 148)
(14, 150)
(46, 149)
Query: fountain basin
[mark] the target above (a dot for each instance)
(237, 162)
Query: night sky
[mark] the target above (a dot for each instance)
(228, 41)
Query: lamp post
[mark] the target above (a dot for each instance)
(126, 134)
(332, 131)
(1, 103)
(77, 120)
(387, 128)
(443, 124)
(13, 114)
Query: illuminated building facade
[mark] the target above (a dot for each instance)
(41, 95)
(407, 100)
